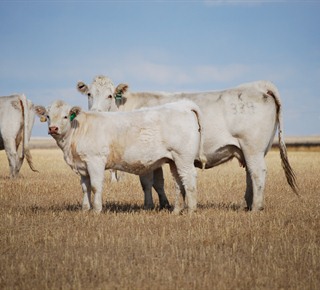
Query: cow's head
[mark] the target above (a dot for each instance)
(100, 94)
(59, 117)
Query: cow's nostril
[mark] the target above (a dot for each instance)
(53, 129)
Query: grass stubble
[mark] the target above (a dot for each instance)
(47, 242)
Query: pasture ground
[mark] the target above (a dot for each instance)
(47, 242)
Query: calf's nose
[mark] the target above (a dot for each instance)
(53, 130)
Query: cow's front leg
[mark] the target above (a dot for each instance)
(158, 185)
(96, 173)
(146, 182)
(86, 189)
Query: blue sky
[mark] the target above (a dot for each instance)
(47, 46)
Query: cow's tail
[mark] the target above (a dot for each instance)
(196, 110)
(290, 175)
(25, 137)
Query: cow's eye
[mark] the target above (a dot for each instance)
(109, 97)
(65, 117)
(89, 94)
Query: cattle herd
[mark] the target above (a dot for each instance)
(137, 132)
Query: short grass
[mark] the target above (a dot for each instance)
(47, 242)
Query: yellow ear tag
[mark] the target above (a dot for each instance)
(43, 119)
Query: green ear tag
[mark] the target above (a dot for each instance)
(72, 116)
(118, 96)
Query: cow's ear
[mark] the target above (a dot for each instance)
(41, 113)
(120, 90)
(82, 87)
(74, 112)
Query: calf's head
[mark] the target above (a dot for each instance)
(59, 117)
(100, 94)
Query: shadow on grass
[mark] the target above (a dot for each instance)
(120, 207)
(111, 207)
(56, 208)
(221, 206)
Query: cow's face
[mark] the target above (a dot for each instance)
(58, 117)
(100, 94)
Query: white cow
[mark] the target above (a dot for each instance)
(16, 122)
(239, 122)
(136, 142)
(114, 175)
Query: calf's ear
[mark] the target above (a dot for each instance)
(41, 112)
(74, 112)
(82, 87)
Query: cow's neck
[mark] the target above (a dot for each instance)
(64, 143)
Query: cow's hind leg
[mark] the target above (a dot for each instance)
(189, 181)
(256, 175)
(86, 189)
(146, 182)
(186, 177)
(12, 155)
(179, 203)
(158, 185)
(248, 196)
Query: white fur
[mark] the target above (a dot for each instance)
(239, 122)
(16, 122)
(136, 142)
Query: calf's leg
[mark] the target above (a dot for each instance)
(158, 185)
(96, 172)
(179, 203)
(86, 189)
(146, 182)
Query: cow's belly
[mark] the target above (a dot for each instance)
(221, 150)
(137, 166)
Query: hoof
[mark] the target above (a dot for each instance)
(148, 207)
(165, 206)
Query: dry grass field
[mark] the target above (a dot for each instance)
(47, 242)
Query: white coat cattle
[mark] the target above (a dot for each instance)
(136, 142)
(240, 122)
(16, 122)
(98, 107)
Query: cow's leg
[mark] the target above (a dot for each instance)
(19, 159)
(158, 185)
(12, 155)
(96, 173)
(188, 175)
(146, 182)
(190, 184)
(113, 175)
(179, 203)
(249, 191)
(256, 169)
(86, 189)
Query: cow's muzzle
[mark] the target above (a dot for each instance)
(53, 130)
